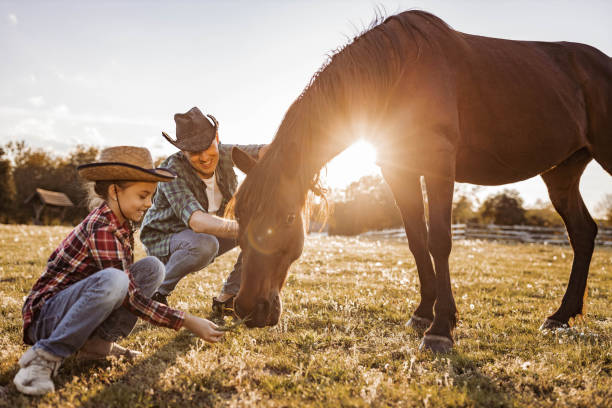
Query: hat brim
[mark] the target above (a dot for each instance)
(196, 143)
(111, 171)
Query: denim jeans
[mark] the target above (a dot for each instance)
(192, 251)
(92, 306)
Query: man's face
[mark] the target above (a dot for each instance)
(205, 161)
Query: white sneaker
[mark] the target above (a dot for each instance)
(37, 368)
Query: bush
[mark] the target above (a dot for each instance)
(505, 208)
(7, 188)
(604, 207)
(364, 205)
(543, 217)
(37, 168)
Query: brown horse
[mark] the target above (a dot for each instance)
(447, 106)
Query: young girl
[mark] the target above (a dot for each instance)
(91, 291)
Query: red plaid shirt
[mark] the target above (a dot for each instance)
(97, 243)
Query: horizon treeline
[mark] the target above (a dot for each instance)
(366, 204)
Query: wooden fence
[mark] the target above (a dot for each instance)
(517, 233)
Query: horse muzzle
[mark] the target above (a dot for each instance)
(264, 313)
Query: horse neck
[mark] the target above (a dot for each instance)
(341, 104)
(313, 147)
(326, 148)
(321, 134)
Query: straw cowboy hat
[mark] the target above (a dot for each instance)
(124, 163)
(194, 132)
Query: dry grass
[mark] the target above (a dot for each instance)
(342, 339)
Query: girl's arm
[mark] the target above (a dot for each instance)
(108, 251)
(202, 328)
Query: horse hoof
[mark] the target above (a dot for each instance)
(552, 324)
(435, 343)
(420, 324)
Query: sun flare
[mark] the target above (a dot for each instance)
(355, 162)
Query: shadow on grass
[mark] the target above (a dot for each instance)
(479, 387)
(136, 387)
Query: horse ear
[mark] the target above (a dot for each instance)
(242, 160)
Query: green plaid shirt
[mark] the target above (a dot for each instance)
(176, 200)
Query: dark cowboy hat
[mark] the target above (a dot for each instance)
(124, 163)
(194, 132)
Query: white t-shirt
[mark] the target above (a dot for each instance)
(213, 193)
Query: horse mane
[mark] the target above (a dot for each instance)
(368, 65)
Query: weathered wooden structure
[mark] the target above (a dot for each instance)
(41, 199)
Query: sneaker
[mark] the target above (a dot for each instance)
(221, 309)
(97, 349)
(36, 369)
(158, 297)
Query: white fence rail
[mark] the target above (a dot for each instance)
(518, 233)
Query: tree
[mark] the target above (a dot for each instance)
(32, 168)
(37, 168)
(366, 204)
(73, 186)
(505, 208)
(543, 215)
(463, 211)
(7, 187)
(604, 207)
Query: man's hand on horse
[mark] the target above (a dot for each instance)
(263, 151)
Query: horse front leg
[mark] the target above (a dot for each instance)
(406, 188)
(439, 337)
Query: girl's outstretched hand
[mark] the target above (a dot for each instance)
(203, 328)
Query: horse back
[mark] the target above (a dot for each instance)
(517, 99)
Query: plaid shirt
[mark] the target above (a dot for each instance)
(176, 200)
(97, 243)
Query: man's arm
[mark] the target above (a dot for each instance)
(188, 209)
(201, 221)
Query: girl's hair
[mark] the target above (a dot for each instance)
(97, 191)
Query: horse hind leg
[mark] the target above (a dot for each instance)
(603, 156)
(563, 182)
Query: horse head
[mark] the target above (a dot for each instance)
(271, 237)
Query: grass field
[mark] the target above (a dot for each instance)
(342, 339)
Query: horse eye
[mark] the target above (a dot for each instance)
(290, 219)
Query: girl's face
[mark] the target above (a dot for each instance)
(134, 199)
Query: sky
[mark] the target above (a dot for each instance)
(114, 72)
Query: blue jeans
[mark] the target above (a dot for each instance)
(92, 306)
(192, 251)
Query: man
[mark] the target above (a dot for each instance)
(183, 228)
